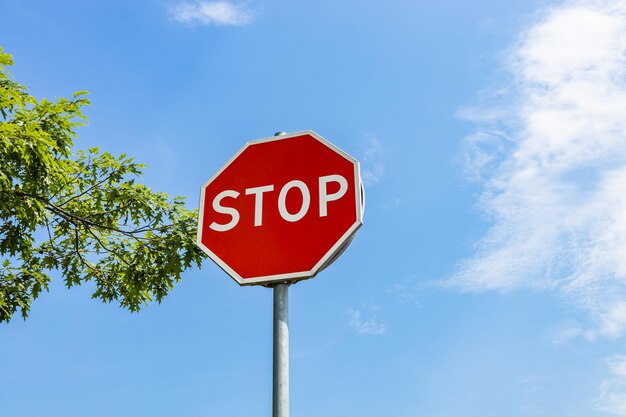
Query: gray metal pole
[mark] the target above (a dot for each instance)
(280, 398)
(280, 386)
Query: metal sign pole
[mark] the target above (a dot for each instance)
(280, 385)
(280, 398)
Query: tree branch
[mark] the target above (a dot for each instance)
(80, 256)
(99, 183)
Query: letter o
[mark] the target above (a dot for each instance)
(282, 197)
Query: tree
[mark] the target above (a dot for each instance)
(81, 213)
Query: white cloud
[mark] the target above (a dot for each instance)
(212, 13)
(612, 397)
(566, 334)
(550, 150)
(370, 325)
(408, 292)
(373, 168)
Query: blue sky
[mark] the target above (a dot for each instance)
(489, 276)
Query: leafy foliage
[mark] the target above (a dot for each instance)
(80, 213)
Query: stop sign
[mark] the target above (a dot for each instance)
(282, 209)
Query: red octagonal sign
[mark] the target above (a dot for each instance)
(282, 209)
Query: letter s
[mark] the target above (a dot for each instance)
(232, 212)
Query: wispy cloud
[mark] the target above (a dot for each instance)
(373, 167)
(394, 203)
(612, 397)
(407, 291)
(212, 13)
(550, 151)
(566, 334)
(366, 322)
